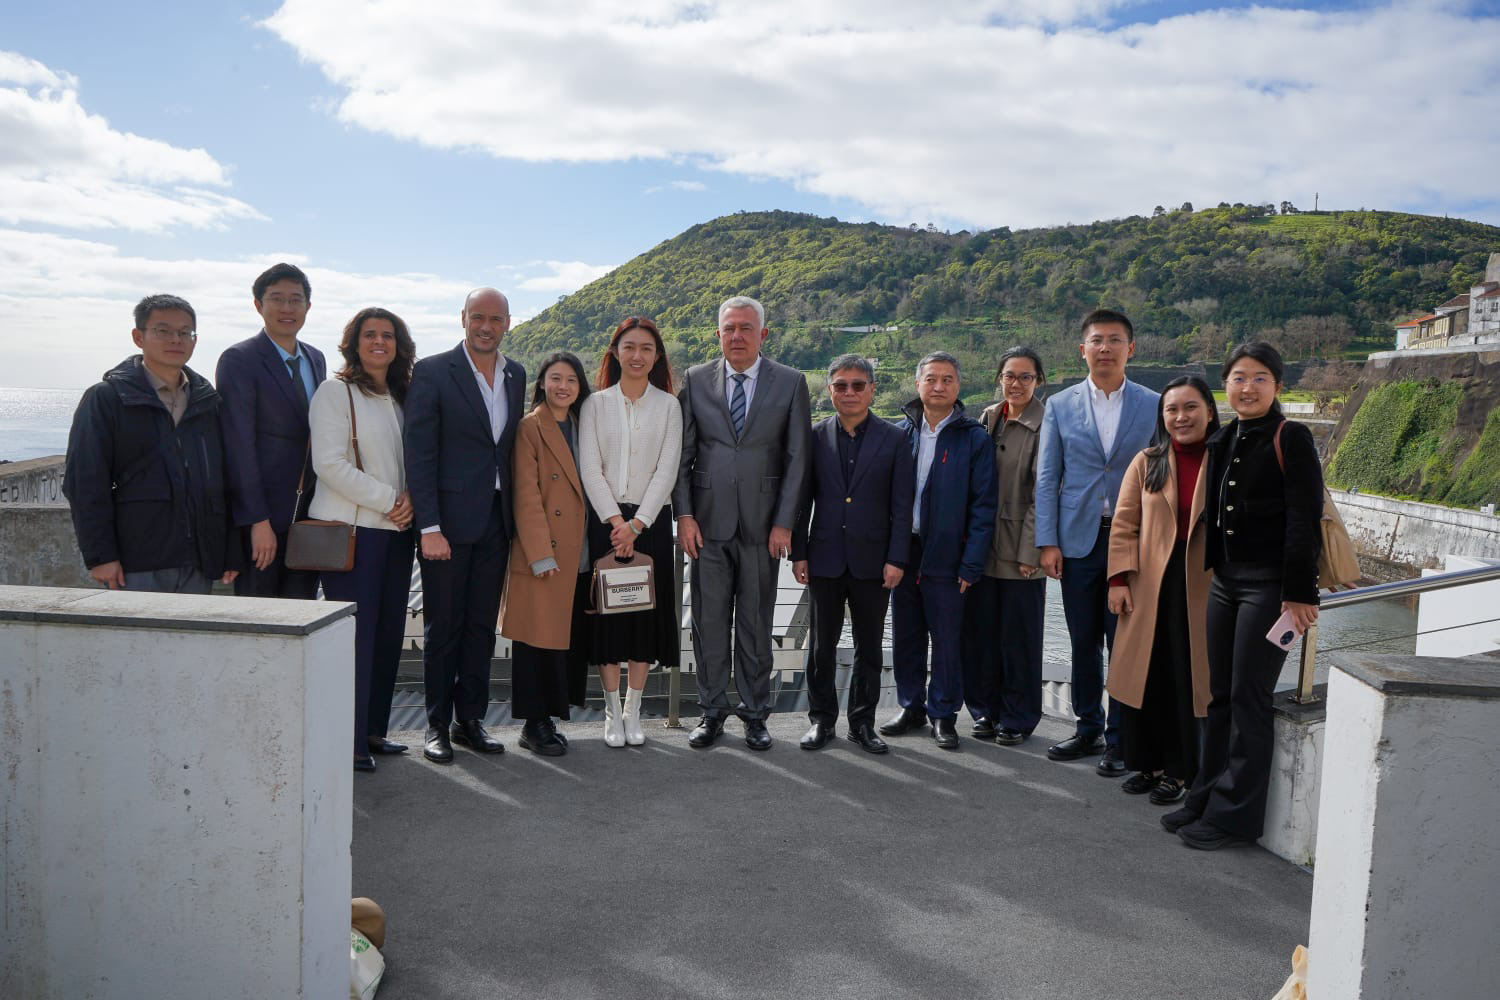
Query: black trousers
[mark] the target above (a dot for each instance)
(868, 601)
(1235, 771)
(1163, 734)
(275, 580)
(1002, 650)
(544, 682)
(460, 610)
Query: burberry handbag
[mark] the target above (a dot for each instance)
(620, 586)
(326, 546)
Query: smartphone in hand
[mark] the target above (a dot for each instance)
(1284, 633)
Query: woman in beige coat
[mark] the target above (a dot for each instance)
(546, 584)
(1158, 669)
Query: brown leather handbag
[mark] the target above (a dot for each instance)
(323, 546)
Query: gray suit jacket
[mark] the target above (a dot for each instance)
(743, 486)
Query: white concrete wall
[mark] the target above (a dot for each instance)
(1291, 829)
(176, 820)
(1453, 611)
(1417, 534)
(1404, 897)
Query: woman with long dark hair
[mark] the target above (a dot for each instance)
(365, 485)
(1158, 586)
(1263, 503)
(1004, 610)
(632, 439)
(546, 584)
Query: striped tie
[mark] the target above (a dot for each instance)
(737, 403)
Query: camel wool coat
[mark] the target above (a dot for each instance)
(1140, 544)
(549, 508)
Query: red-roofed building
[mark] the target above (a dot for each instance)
(1464, 320)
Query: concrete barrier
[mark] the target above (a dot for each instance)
(1404, 902)
(1416, 534)
(1444, 617)
(36, 481)
(176, 818)
(38, 547)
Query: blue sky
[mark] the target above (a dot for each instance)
(405, 152)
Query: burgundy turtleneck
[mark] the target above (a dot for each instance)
(1189, 461)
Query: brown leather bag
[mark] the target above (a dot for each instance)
(323, 546)
(620, 587)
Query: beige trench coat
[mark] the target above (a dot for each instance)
(1014, 542)
(549, 507)
(1140, 544)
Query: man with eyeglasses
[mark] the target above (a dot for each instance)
(1090, 433)
(145, 467)
(850, 546)
(267, 382)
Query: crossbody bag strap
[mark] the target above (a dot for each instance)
(1276, 442)
(354, 440)
(301, 478)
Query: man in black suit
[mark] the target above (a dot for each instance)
(855, 549)
(462, 411)
(265, 384)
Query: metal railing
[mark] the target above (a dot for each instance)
(1376, 592)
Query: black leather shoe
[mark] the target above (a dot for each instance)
(1167, 791)
(1177, 819)
(864, 735)
(984, 728)
(379, 744)
(817, 736)
(945, 735)
(438, 750)
(1112, 764)
(1204, 836)
(1008, 737)
(471, 734)
(1138, 783)
(909, 720)
(756, 735)
(536, 738)
(1075, 747)
(705, 732)
(365, 763)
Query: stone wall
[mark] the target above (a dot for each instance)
(35, 482)
(1405, 534)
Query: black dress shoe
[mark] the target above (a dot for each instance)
(1167, 791)
(705, 732)
(756, 735)
(1008, 737)
(945, 735)
(1075, 747)
(1112, 764)
(817, 736)
(365, 763)
(1138, 783)
(864, 735)
(1204, 836)
(438, 750)
(379, 744)
(909, 720)
(536, 738)
(984, 728)
(471, 734)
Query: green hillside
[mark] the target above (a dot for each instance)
(1320, 285)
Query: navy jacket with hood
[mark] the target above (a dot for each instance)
(958, 503)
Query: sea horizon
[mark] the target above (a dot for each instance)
(34, 423)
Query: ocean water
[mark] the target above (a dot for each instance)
(34, 422)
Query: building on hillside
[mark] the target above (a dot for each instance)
(1465, 320)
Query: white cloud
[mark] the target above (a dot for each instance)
(61, 166)
(677, 186)
(559, 277)
(961, 112)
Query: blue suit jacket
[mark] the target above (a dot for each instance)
(1074, 475)
(264, 418)
(451, 461)
(860, 528)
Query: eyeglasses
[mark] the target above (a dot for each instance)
(1025, 378)
(1097, 342)
(168, 334)
(858, 385)
(279, 300)
(1259, 381)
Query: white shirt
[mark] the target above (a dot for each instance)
(494, 398)
(629, 452)
(1107, 409)
(752, 373)
(926, 450)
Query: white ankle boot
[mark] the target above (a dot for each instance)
(614, 732)
(633, 734)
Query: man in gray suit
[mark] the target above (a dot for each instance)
(746, 424)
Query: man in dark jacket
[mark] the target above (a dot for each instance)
(953, 520)
(145, 469)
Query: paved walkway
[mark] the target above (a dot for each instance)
(664, 871)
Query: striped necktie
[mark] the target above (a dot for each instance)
(294, 365)
(737, 403)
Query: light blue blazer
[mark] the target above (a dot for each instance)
(1074, 475)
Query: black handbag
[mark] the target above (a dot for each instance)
(323, 546)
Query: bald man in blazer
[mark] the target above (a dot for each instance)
(746, 424)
